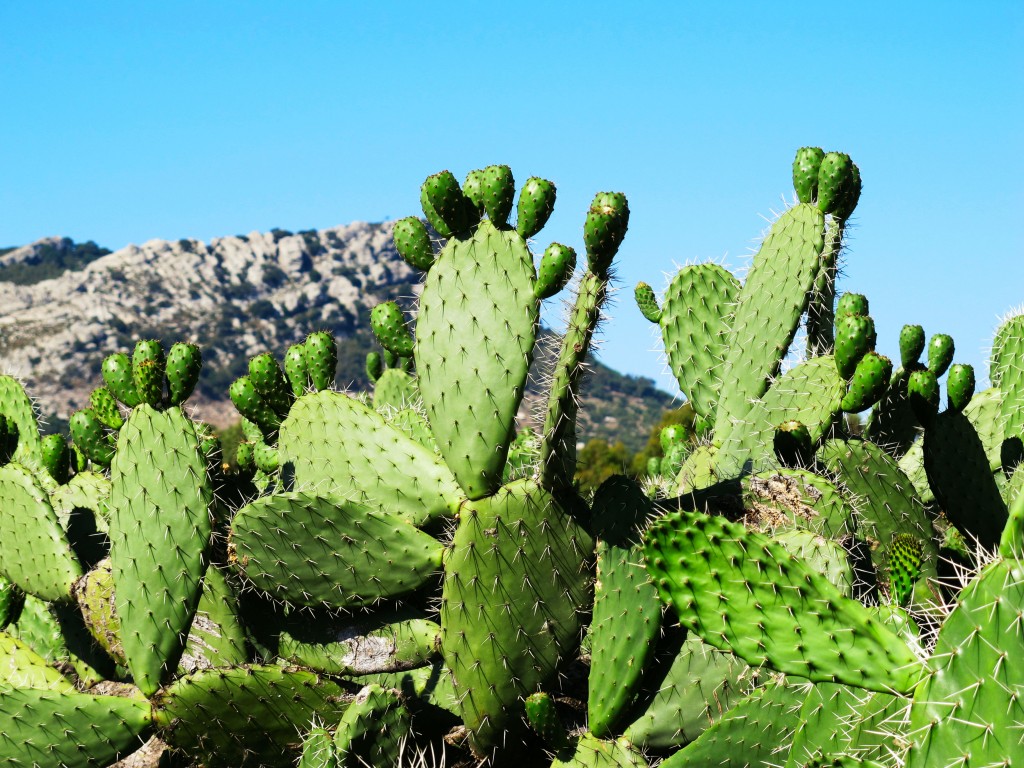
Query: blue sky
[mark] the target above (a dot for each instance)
(129, 121)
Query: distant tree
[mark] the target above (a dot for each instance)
(682, 415)
(597, 461)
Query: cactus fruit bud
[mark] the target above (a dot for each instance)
(244, 457)
(296, 370)
(148, 367)
(960, 385)
(838, 185)
(56, 457)
(869, 382)
(321, 359)
(266, 458)
(556, 267)
(499, 189)
(443, 199)
(388, 324)
(8, 438)
(855, 337)
(911, 345)
(654, 466)
(604, 229)
(536, 202)
(940, 353)
(852, 304)
(268, 379)
(413, 243)
(473, 189)
(184, 362)
(923, 393)
(793, 446)
(671, 436)
(805, 173)
(117, 374)
(79, 461)
(374, 366)
(904, 566)
(105, 405)
(648, 302)
(249, 403)
(544, 719)
(88, 434)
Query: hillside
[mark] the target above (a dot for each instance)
(66, 306)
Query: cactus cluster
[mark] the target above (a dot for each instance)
(411, 568)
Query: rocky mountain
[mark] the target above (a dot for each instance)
(65, 306)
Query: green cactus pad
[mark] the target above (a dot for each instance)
(556, 268)
(159, 535)
(516, 582)
(12, 600)
(321, 353)
(269, 382)
(940, 353)
(22, 667)
(349, 556)
(969, 710)
(35, 553)
(904, 566)
(869, 382)
(543, 717)
(592, 752)
(395, 389)
(85, 492)
(104, 405)
(245, 715)
(855, 337)
(374, 366)
(217, 637)
(184, 362)
(694, 317)
(148, 370)
(852, 304)
(498, 189)
(911, 345)
(892, 422)
(700, 686)
(445, 204)
(296, 369)
(836, 183)
(536, 202)
(17, 407)
(647, 302)
(797, 497)
(604, 229)
(335, 446)
(413, 243)
(743, 592)
(474, 344)
(821, 555)
(390, 642)
(960, 385)
(117, 374)
(318, 749)
(923, 394)
(1008, 368)
(627, 613)
(768, 311)
(90, 436)
(390, 330)
(252, 406)
(55, 457)
(373, 729)
(960, 476)
(473, 189)
(72, 730)
(805, 173)
(792, 444)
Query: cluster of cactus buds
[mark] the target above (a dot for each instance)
(394, 571)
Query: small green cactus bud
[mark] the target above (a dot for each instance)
(249, 403)
(960, 385)
(556, 267)
(390, 359)
(536, 202)
(444, 200)
(805, 173)
(56, 457)
(88, 433)
(854, 337)
(148, 367)
(838, 185)
(184, 362)
(321, 359)
(117, 374)
(852, 304)
(473, 189)
(911, 345)
(8, 438)
(296, 370)
(105, 405)
(267, 377)
(648, 302)
(374, 366)
(244, 457)
(904, 566)
(654, 466)
(543, 717)
(869, 382)
(79, 461)
(388, 324)
(793, 445)
(499, 189)
(671, 436)
(940, 353)
(413, 243)
(266, 458)
(923, 394)
(605, 227)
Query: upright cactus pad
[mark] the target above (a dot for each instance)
(413, 243)
(805, 173)
(16, 407)
(474, 344)
(159, 534)
(184, 362)
(536, 203)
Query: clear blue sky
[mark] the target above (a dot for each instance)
(129, 121)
